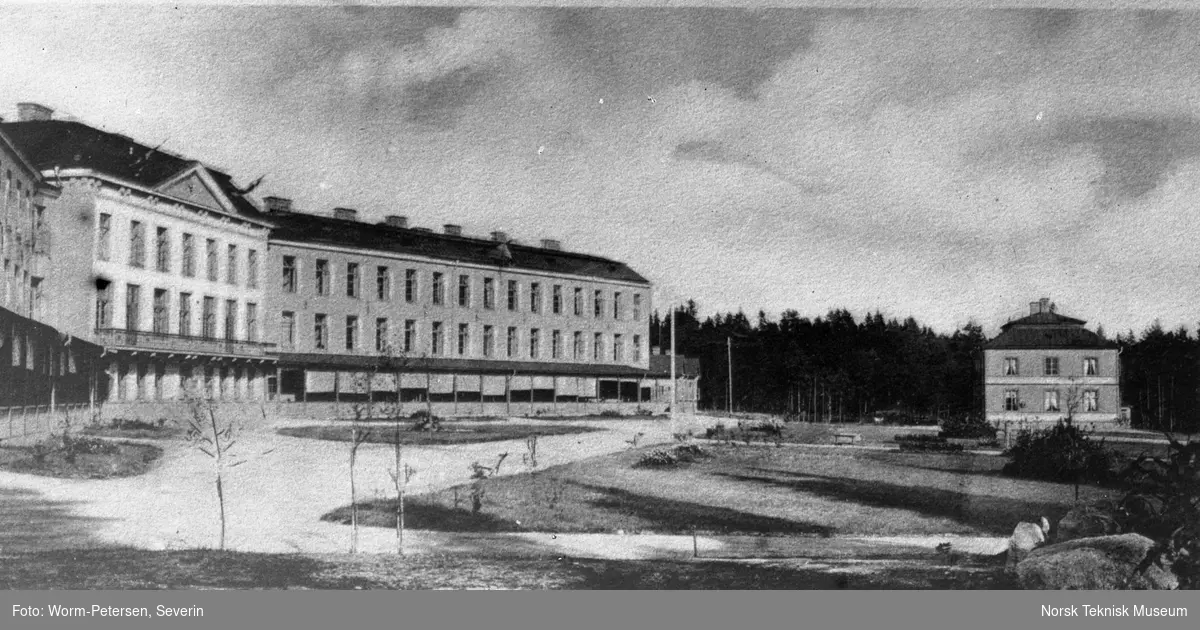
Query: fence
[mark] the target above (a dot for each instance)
(34, 422)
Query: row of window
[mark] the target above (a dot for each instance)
(143, 381)
(462, 345)
(160, 321)
(26, 351)
(323, 278)
(1089, 400)
(189, 245)
(1012, 367)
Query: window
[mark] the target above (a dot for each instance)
(322, 277)
(556, 344)
(489, 293)
(162, 251)
(209, 317)
(464, 291)
(383, 284)
(1051, 399)
(464, 339)
(410, 285)
(251, 321)
(556, 300)
(381, 334)
(133, 299)
(1091, 400)
(617, 305)
(231, 265)
(189, 256)
(439, 288)
(637, 348)
(289, 274)
(489, 341)
(104, 312)
(578, 302)
(161, 322)
(104, 245)
(231, 309)
(598, 304)
(1011, 402)
(597, 346)
(185, 314)
(352, 280)
(535, 297)
(288, 332)
(137, 244)
(436, 338)
(320, 331)
(252, 268)
(212, 259)
(577, 351)
(512, 295)
(410, 335)
(535, 343)
(511, 346)
(1011, 367)
(351, 332)
(618, 348)
(1090, 367)
(637, 306)
(1051, 366)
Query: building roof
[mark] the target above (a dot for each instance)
(311, 228)
(67, 144)
(660, 366)
(478, 366)
(1047, 330)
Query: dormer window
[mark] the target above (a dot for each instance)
(1011, 367)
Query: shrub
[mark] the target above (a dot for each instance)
(425, 421)
(1162, 502)
(970, 426)
(689, 452)
(657, 458)
(611, 413)
(1062, 453)
(136, 425)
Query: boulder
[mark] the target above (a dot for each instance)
(1085, 521)
(1096, 563)
(1026, 537)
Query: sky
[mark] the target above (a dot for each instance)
(950, 165)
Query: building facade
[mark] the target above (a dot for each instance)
(163, 268)
(1045, 367)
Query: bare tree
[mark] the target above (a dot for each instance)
(216, 439)
(359, 434)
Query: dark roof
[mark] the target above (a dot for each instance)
(311, 228)
(660, 366)
(427, 364)
(1047, 330)
(68, 144)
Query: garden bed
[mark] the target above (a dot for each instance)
(447, 434)
(161, 430)
(83, 458)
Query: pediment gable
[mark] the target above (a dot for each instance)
(195, 185)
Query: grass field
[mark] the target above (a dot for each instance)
(90, 459)
(750, 490)
(447, 435)
(123, 568)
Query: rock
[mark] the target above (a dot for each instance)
(1096, 563)
(1085, 522)
(1026, 537)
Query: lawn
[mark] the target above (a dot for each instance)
(83, 458)
(122, 568)
(448, 434)
(753, 490)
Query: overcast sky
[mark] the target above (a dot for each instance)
(948, 165)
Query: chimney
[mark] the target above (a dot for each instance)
(1035, 308)
(1045, 305)
(499, 236)
(277, 204)
(395, 220)
(27, 112)
(549, 243)
(345, 214)
(453, 230)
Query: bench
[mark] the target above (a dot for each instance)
(846, 438)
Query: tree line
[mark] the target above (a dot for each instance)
(839, 368)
